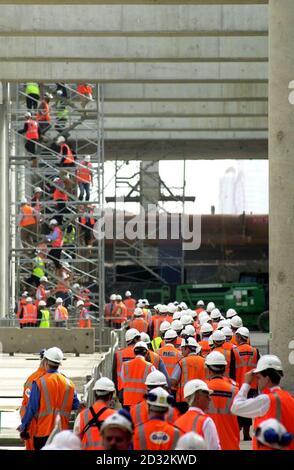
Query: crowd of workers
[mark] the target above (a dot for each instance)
(56, 218)
(187, 379)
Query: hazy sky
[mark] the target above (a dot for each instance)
(203, 178)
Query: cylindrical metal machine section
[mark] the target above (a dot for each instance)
(281, 184)
(4, 202)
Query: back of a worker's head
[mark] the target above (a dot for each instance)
(191, 441)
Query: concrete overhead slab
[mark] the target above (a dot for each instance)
(173, 134)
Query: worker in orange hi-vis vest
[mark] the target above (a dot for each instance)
(205, 332)
(169, 353)
(244, 359)
(191, 366)
(177, 326)
(236, 322)
(51, 394)
(228, 334)
(156, 433)
(130, 303)
(154, 358)
(27, 221)
(29, 314)
(119, 313)
(216, 317)
(272, 402)
(132, 336)
(139, 412)
(197, 394)
(84, 316)
(108, 309)
(224, 392)
(219, 339)
(89, 421)
(29, 443)
(138, 321)
(199, 307)
(133, 376)
(84, 175)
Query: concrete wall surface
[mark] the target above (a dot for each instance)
(32, 340)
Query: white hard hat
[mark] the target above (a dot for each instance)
(25, 293)
(140, 345)
(215, 358)
(203, 314)
(162, 309)
(54, 355)
(87, 158)
(210, 306)
(177, 315)
(53, 222)
(155, 378)
(223, 323)
(131, 334)
(43, 279)
(191, 343)
(128, 293)
(80, 302)
(42, 303)
(138, 312)
(210, 341)
(170, 334)
(28, 114)
(29, 299)
(145, 302)
(171, 309)
(64, 440)
(118, 297)
(104, 384)
(113, 297)
(183, 305)
(164, 326)
(268, 361)
(236, 322)
(200, 303)
(48, 95)
(186, 320)
(195, 385)
(38, 190)
(59, 92)
(76, 286)
(189, 330)
(156, 307)
(227, 331)
(23, 200)
(116, 420)
(273, 434)
(191, 441)
(206, 328)
(231, 312)
(176, 325)
(59, 300)
(204, 319)
(217, 336)
(159, 397)
(145, 338)
(215, 314)
(243, 331)
(191, 312)
(60, 139)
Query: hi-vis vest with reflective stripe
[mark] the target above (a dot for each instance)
(156, 434)
(191, 421)
(133, 376)
(28, 217)
(170, 356)
(205, 348)
(84, 172)
(68, 158)
(32, 129)
(139, 413)
(43, 112)
(32, 88)
(70, 238)
(45, 320)
(282, 409)
(39, 266)
(123, 355)
(227, 355)
(224, 392)
(131, 305)
(139, 324)
(56, 397)
(192, 368)
(245, 360)
(61, 313)
(28, 387)
(91, 439)
(29, 314)
(156, 343)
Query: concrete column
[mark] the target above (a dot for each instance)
(4, 211)
(281, 160)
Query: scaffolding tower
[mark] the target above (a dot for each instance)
(80, 120)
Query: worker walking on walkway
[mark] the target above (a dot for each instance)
(29, 443)
(130, 303)
(224, 391)
(156, 433)
(138, 321)
(169, 353)
(88, 422)
(51, 394)
(43, 315)
(197, 394)
(273, 402)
